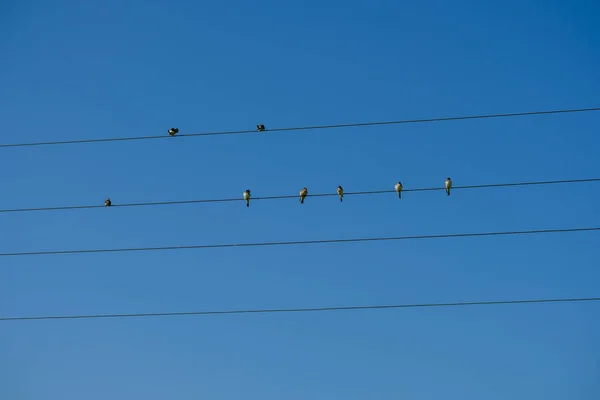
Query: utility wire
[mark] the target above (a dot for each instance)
(299, 242)
(297, 310)
(177, 202)
(305, 128)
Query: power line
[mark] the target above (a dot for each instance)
(304, 128)
(296, 310)
(223, 200)
(299, 242)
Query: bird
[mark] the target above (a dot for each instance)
(340, 192)
(398, 187)
(247, 197)
(260, 127)
(107, 203)
(173, 131)
(448, 185)
(303, 194)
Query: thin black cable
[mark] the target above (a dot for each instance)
(296, 310)
(303, 128)
(299, 242)
(178, 202)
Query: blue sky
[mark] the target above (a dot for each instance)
(77, 70)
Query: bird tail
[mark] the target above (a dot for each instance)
(400, 195)
(301, 200)
(247, 203)
(341, 199)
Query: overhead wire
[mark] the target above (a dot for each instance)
(299, 242)
(302, 310)
(304, 128)
(223, 200)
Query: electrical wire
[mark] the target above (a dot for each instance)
(299, 242)
(304, 128)
(223, 200)
(297, 310)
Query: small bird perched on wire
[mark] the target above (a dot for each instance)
(340, 192)
(448, 186)
(247, 197)
(260, 127)
(303, 194)
(107, 203)
(173, 131)
(398, 187)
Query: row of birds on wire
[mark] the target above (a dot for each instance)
(175, 131)
(304, 192)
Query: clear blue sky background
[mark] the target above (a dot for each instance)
(76, 70)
